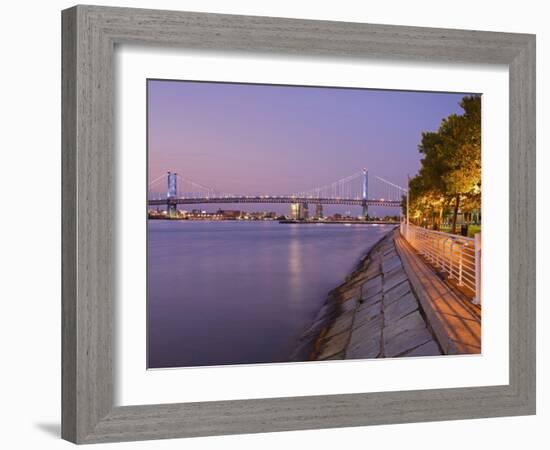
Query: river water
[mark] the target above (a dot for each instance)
(242, 292)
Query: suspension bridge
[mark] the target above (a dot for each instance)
(172, 189)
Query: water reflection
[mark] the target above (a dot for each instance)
(230, 293)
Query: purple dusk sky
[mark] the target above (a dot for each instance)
(265, 139)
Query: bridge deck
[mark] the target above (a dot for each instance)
(275, 199)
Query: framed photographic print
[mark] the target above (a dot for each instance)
(278, 224)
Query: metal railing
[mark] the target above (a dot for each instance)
(458, 257)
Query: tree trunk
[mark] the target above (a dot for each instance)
(455, 213)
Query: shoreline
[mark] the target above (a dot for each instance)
(285, 222)
(308, 344)
(392, 305)
(338, 222)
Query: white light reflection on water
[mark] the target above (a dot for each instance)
(242, 292)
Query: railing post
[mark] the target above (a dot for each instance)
(477, 257)
(443, 256)
(434, 251)
(446, 258)
(451, 259)
(460, 257)
(460, 264)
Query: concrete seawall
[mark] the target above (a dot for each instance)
(380, 312)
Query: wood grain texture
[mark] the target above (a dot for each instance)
(89, 36)
(68, 226)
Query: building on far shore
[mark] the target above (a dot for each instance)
(230, 214)
(299, 211)
(318, 211)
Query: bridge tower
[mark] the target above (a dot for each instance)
(172, 194)
(365, 193)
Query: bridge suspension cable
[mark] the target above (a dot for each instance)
(157, 180)
(186, 188)
(384, 189)
(392, 184)
(349, 187)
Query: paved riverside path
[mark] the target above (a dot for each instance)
(455, 322)
(377, 313)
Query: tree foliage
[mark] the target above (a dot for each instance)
(450, 175)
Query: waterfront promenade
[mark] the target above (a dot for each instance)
(392, 305)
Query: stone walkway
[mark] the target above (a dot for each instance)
(377, 313)
(392, 305)
(373, 314)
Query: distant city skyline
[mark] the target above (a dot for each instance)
(250, 139)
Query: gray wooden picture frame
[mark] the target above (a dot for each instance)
(90, 34)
